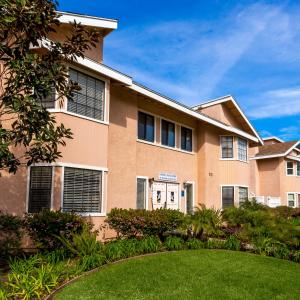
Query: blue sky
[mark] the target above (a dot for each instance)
(193, 51)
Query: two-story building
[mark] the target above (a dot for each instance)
(135, 148)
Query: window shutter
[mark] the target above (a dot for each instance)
(40, 189)
(82, 190)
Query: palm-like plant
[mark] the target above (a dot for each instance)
(206, 221)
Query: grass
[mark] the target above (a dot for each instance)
(201, 274)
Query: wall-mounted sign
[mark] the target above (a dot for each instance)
(167, 177)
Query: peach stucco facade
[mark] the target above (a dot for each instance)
(170, 176)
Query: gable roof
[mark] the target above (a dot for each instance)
(275, 138)
(276, 150)
(229, 98)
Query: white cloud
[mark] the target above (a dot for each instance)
(276, 103)
(188, 59)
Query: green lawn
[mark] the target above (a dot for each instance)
(202, 274)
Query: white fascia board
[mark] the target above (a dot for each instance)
(179, 107)
(225, 99)
(95, 66)
(67, 18)
(277, 155)
(273, 138)
(104, 70)
(293, 157)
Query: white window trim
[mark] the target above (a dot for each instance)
(235, 187)
(64, 109)
(298, 162)
(180, 131)
(28, 185)
(158, 144)
(295, 198)
(175, 134)
(286, 169)
(104, 185)
(137, 126)
(147, 190)
(185, 195)
(233, 148)
(247, 150)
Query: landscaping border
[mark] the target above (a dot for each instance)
(55, 291)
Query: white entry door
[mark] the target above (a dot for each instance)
(173, 195)
(165, 195)
(159, 194)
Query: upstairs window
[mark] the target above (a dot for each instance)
(227, 146)
(40, 187)
(243, 194)
(168, 133)
(186, 139)
(47, 99)
(89, 101)
(145, 127)
(298, 168)
(242, 149)
(82, 190)
(227, 196)
(290, 168)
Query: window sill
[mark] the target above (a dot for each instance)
(77, 115)
(165, 147)
(234, 159)
(92, 214)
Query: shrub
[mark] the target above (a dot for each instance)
(132, 222)
(114, 250)
(206, 222)
(149, 244)
(10, 234)
(215, 244)
(232, 243)
(92, 261)
(195, 244)
(82, 244)
(174, 243)
(44, 227)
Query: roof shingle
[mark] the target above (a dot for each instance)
(275, 149)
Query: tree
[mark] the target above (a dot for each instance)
(28, 76)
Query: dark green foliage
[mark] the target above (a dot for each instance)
(132, 222)
(28, 77)
(215, 244)
(46, 226)
(206, 222)
(232, 243)
(10, 234)
(195, 244)
(92, 261)
(149, 244)
(82, 244)
(174, 243)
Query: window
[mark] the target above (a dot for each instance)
(291, 200)
(40, 188)
(186, 139)
(82, 190)
(89, 101)
(47, 101)
(227, 146)
(298, 168)
(227, 196)
(141, 197)
(298, 200)
(243, 194)
(242, 149)
(167, 133)
(145, 127)
(290, 168)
